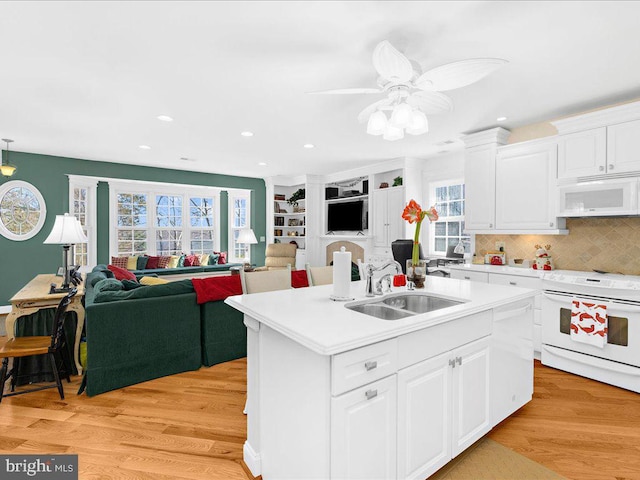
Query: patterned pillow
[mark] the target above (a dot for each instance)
(120, 262)
(132, 263)
(152, 262)
(191, 261)
(163, 262)
(222, 259)
(173, 261)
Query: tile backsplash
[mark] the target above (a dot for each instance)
(611, 244)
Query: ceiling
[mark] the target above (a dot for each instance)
(88, 79)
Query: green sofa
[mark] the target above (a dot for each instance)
(153, 331)
(182, 270)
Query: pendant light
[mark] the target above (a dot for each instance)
(6, 169)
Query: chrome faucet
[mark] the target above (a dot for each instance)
(386, 278)
(370, 269)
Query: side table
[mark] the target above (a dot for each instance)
(35, 296)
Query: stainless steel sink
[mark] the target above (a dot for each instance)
(395, 307)
(379, 310)
(420, 303)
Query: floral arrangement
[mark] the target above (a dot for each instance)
(413, 213)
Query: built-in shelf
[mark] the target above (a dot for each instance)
(347, 199)
(346, 237)
(289, 214)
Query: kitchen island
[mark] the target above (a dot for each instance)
(336, 393)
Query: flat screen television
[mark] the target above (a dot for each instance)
(345, 216)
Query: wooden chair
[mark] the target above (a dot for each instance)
(266, 281)
(319, 275)
(37, 345)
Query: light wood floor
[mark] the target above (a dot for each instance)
(191, 426)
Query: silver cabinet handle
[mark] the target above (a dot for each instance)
(452, 363)
(491, 225)
(551, 224)
(371, 365)
(513, 283)
(611, 166)
(371, 394)
(467, 278)
(601, 168)
(459, 360)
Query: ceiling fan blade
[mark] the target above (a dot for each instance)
(342, 91)
(457, 74)
(430, 102)
(364, 115)
(391, 64)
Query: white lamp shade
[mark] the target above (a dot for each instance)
(377, 123)
(418, 124)
(401, 115)
(392, 133)
(246, 235)
(67, 230)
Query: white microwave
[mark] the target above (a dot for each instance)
(599, 198)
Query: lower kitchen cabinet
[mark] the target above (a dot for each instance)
(363, 432)
(443, 407)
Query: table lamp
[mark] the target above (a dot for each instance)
(247, 237)
(66, 231)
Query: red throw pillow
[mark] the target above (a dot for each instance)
(211, 289)
(191, 261)
(120, 262)
(299, 279)
(122, 273)
(152, 262)
(222, 259)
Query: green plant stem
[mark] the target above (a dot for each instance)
(415, 256)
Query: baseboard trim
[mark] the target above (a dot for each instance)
(252, 459)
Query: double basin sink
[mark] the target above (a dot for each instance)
(403, 305)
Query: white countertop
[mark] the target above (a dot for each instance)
(309, 317)
(503, 269)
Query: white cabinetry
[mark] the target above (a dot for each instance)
(455, 387)
(480, 183)
(470, 275)
(363, 432)
(386, 219)
(526, 187)
(604, 142)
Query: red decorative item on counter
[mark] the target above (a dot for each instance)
(399, 280)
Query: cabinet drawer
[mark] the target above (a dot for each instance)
(516, 281)
(418, 346)
(473, 276)
(358, 367)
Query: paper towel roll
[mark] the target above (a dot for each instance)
(341, 275)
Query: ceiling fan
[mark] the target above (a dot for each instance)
(411, 94)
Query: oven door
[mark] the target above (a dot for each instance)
(623, 319)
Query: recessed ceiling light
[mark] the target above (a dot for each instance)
(501, 119)
(165, 118)
(309, 145)
(144, 147)
(247, 134)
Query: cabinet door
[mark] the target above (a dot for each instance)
(480, 182)
(526, 188)
(623, 147)
(379, 220)
(395, 206)
(363, 432)
(471, 412)
(424, 404)
(582, 154)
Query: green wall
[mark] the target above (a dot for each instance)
(21, 261)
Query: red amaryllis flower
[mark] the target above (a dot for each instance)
(413, 212)
(432, 214)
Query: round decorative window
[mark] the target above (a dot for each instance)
(22, 210)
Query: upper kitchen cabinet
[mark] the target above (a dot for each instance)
(526, 187)
(604, 142)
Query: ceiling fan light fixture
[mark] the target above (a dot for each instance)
(401, 115)
(377, 123)
(418, 123)
(392, 133)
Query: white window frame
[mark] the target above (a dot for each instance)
(151, 189)
(459, 218)
(231, 250)
(91, 216)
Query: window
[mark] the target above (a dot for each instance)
(22, 210)
(448, 230)
(131, 224)
(82, 204)
(239, 214)
(163, 219)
